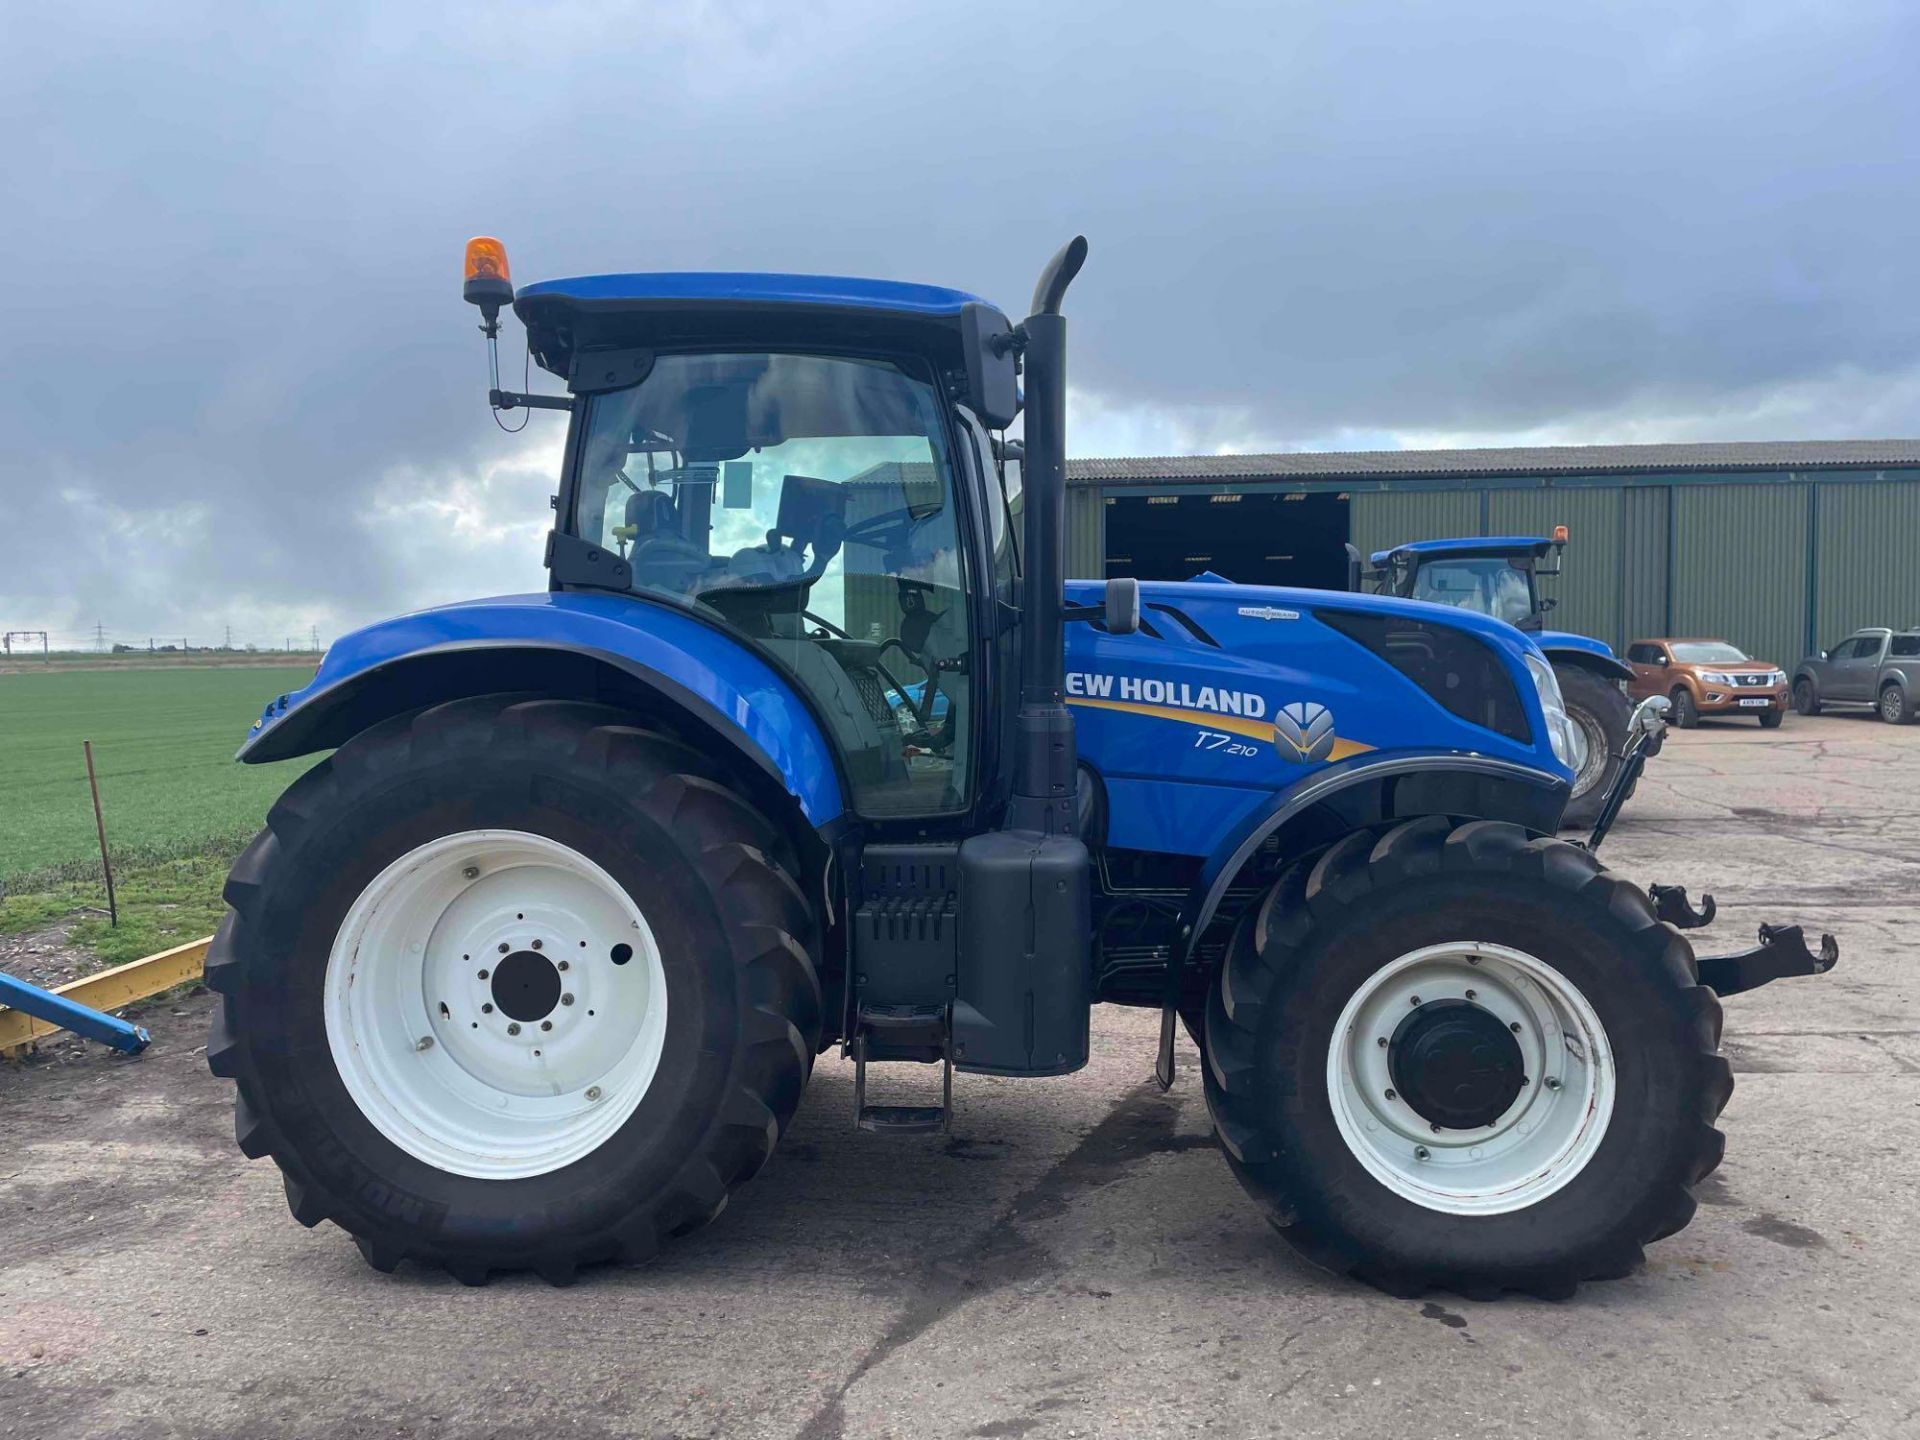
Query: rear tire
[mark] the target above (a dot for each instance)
(1359, 1198)
(1806, 700)
(574, 1169)
(1896, 706)
(1685, 713)
(1602, 712)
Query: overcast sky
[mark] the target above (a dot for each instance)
(239, 387)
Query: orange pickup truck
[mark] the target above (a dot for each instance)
(1707, 677)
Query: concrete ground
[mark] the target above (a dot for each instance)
(1075, 1259)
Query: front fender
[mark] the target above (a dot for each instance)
(568, 643)
(1589, 654)
(1368, 792)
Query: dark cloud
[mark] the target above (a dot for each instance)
(241, 388)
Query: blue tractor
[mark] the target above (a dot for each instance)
(809, 742)
(1499, 575)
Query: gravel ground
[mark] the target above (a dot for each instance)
(1074, 1259)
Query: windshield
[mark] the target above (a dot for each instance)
(1489, 585)
(808, 502)
(1707, 652)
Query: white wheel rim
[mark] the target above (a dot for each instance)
(434, 995)
(1543, 1140)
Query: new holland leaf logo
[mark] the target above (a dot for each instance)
(1303, 732)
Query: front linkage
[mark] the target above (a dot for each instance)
(1782, 953)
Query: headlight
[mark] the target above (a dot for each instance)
(1561, 734)
(1716, 677)
(1778, 677)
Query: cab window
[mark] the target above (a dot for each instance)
(808, 502)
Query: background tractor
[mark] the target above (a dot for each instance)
(1499, 575)
(808, 744)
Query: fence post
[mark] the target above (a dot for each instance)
(100, 828)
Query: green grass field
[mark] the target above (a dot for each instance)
(177, 805)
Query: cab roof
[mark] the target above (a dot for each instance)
(664, 289)
(668, 307)
(1468, 545)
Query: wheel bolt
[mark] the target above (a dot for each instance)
(546, 1024)
(1436, 1129)
(563, 965)
(486, 1009)
(503, 947)
(1392, 1095)
(566, 999)
(1420, 1152)
(1514, 1027)
(1552, 1083)
(513, 1029)
(1413, 1000)
(425, 1042)
(1381, 1042)
(536, 944)
(484, 974)
(472, 872)
(1472, 996)
(593, 1092)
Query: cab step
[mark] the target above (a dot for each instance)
(903, 1033)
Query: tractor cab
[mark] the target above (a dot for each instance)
(1496, 575)
(838, 508)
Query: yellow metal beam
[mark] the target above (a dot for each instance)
(110, 989)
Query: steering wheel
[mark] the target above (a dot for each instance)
(888, 530)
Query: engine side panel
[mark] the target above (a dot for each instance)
(1241, 691)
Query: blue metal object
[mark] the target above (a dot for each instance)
(737, 690)
(713, 289)
(122, 1035)
(1186, 729)
(1467, 545)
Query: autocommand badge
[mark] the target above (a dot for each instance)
(1303, 732)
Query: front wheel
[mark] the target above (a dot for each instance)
(513, 985)
(1770, 719)
(1806, 700)
(1686, 714)
(1453, 1055)
(1600, 710)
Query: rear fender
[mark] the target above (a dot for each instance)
(620, 649)
(1355, 793)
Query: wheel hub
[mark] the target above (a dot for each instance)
(526, 987)
(1456, 1064)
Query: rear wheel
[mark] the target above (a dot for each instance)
(1806, 700)
(513, 985)
(1600, 710)
(1896, 708)
(1686, 714)
(1456, 1056)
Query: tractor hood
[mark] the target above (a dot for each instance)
(1230, 692)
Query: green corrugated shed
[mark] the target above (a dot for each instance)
(1740, 566)
(1867, 559)
(1779, 547)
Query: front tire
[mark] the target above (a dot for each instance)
(513, 985)
(1602, 712)
(1686, 714)
(1806, 700)
(1526, 1159)
(1770, 719)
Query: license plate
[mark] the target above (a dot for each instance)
(1759, 702)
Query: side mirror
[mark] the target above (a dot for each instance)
(1356, 568)
(1123, 605)
(1662, 661)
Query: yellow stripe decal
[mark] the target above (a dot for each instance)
(1231, 724)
